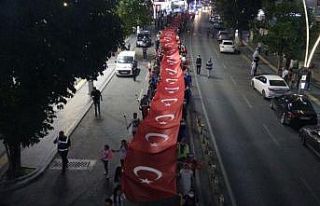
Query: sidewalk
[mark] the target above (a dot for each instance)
(40, 155)
(270, 62)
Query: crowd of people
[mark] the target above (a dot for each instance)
(289, 73)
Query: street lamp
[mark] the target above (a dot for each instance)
(308, 59)
(65, 4)
(307, 29)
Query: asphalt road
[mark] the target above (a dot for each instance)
(264, 161)
(88, 186)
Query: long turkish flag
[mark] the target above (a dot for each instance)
(150, 164)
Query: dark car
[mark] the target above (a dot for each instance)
(294, 109)
(310, 136)
(143, 39)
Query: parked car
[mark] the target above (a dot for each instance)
(126, 63)
(223, 35)
(228, 46)
(294, 109)
(270, 85)
(310, 136)
(143, 39)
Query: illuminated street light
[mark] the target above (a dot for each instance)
(65, 4)
(307, 29)
(312, 51)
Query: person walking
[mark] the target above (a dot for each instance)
(144, 106)
(134, 123)
(96, 97)
(118, 197)
(186, 175)
(308, 78)
(144, 51)
(198, 64)
(209, 67)
(106, 157)
(285, 73)
(123, 151)
(254, 67)
(64, 144)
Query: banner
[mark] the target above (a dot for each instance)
(150, 165)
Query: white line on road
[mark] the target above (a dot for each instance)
(146, 77)
(140, 94)
(304, 182)
(231, 194)
(224, 66)
(271, 135)
(247, 101)
(233, 81)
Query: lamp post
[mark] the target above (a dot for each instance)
(307, 30)
(308, 57)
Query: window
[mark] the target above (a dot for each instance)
(301, 104)
(125, 59)
(228, 43)
(279, 83)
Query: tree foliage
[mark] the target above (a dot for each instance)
(134, 13)
(239, 13)
(45, 45)
(286, 31)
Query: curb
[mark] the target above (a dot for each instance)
(20, 182)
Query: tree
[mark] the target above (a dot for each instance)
(134, 13)
(286, 31)
(238, 13)
(45, 45)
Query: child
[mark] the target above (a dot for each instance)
(106, 157)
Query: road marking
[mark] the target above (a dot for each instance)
(304, 182)
(146, 77)
(233, 81)
(224, 65)
(224, 173)
(140, 95)
(271, 135)
(247, 101)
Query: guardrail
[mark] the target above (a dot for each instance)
(211, 163)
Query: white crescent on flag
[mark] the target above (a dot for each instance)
(168, 102)
(154, 144)
(171, 81)
(137, 169)
(165, 116)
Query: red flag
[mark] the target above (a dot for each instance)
(149, 179)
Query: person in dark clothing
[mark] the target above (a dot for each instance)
(64, 144)
(134, 124)
(308, 78)
(117, 176)
(198, 63)
(96, 97)
(144, 106)
(187, 79)
(144, 51)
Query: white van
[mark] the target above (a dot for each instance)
(126, 63)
